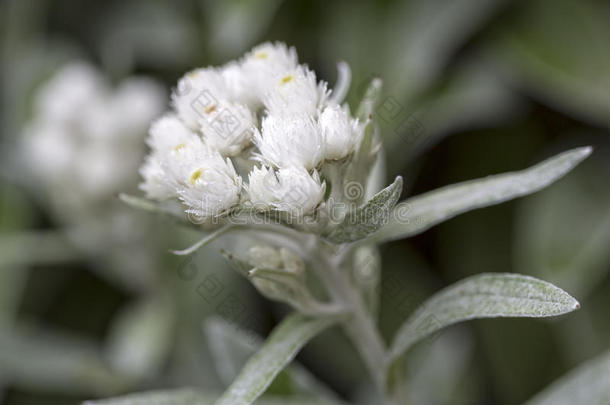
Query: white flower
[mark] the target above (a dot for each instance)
(290, 140)
(85, 137)
(341, 132)
(198, 94)
(265, 62)
(168, 134)
(301, 127)
(261, 185)
(205, 182)
(228, 129)
(156, 184)
(62, 98)
(292, 189)
(240, 86)
(135, 103)
(49, 150)
(296, 91)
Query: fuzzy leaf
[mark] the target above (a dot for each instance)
(370, 99)
(279, 349)
(368, 218)
(140, 337)
(184, 396)
(231, 347)
(482, 296)
(420, 213)
(152, 206)
(588, 384)
(188, 396)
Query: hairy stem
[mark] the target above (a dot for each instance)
(359, 326)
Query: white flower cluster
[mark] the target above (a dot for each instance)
(85, 137)
(266, 115)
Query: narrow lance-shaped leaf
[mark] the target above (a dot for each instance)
(279, 349)
(184, 396)
(367, 219)
(153, 206)
(188, 396)
(588, 384)
(140, 337)
(370, 99)
(419, 213)
(482, 296)
(232, 346)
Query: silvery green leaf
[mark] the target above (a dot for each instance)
(367, 276)
(482, 296)
(153, 206)
(367, 219)
(370, 99)
(56, 361)
(361, 165)
(140, 337)
(231, 347)
(182, 396)
(207, 239)
(188, 396)
(588, 384)
(417, 214)
(279, 349)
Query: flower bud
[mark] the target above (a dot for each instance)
(341, 132)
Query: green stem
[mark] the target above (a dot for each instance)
(359, 326)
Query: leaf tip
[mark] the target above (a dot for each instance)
(177, 252)
(585, 151)
(576, 305)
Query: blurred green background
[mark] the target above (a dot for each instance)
(472, 88)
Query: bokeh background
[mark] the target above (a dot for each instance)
(93, 305)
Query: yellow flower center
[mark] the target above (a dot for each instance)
(210, 109)
(197, 174)
(261, 55)
(179, 146)
(287, 79)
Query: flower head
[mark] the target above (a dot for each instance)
(85, 136)
(197, 95)
(265, 62)
(204, 181)
(341, 132)
(290, 140)
(228, 128)
(295, 91)
(292, 189)
(263, 107)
